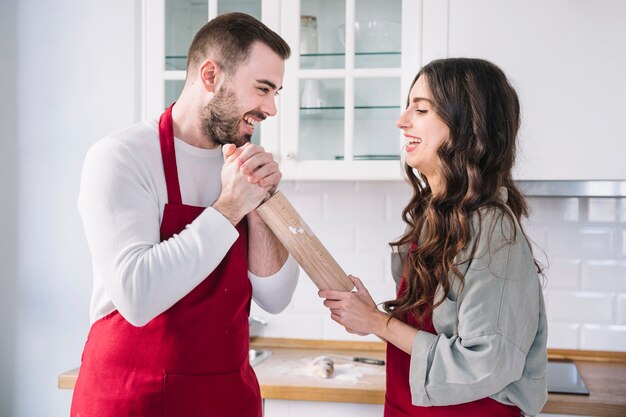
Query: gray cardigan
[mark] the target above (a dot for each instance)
(491, 335)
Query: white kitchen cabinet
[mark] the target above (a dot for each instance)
(287, 408)
(342, 96)
(567, 61)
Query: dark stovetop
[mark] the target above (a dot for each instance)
(563, 378)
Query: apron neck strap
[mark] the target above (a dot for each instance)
(166, 138)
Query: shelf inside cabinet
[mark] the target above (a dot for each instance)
(175, 62)
(326, 60)
(356, 108)
(343, 54)
(360, 112)
(375, 136)
(362, 60)
(370, 157)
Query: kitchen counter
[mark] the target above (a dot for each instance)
(284, 376)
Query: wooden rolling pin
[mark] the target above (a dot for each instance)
(301, 242)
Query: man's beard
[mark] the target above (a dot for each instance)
(221, 119)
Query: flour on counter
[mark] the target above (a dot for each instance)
(349, 372)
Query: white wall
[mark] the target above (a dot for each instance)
(8, 204)
(77, 72)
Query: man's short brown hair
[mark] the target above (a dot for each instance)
(227, 40)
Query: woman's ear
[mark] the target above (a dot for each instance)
(210, 73)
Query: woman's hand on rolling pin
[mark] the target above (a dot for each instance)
(356, 310)
(239, 195)
(257, 164)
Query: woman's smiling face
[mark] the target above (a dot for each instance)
(424, 131)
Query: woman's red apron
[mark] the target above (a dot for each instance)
(191, 360)
(398, 396)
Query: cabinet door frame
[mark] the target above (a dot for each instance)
(152, 57)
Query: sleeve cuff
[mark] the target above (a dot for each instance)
(422, 348)
(273, 293)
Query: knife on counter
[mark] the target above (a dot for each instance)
(369, 361)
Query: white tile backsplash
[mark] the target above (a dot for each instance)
(289, 324)
(556, 210)
(598, 275)
(602, 210)
(305, 299)
(362, 206)
(537, 233)
(308, 206)
(396, 203)
(584, 240)
(621, 309)
(568, 241)
(336, 236)
(374, 237)
(622, 210)
(563, 335)
(365, 266)
(582, 307)
(563, 274)
(594, 337)
(388, 277)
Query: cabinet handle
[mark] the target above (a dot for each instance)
(289, 155)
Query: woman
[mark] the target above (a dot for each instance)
(467, 332)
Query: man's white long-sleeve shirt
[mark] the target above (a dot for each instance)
(121, 202)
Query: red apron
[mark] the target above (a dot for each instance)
(191, 360)
(398, 396)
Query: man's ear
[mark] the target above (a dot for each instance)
(210, 75)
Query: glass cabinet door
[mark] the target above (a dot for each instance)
(348, 69)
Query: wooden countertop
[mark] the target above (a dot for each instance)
(284, 376)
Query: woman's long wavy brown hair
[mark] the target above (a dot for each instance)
(475, 100)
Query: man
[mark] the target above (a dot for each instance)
(177, 248)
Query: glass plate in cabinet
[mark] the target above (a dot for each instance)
(377, 33)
